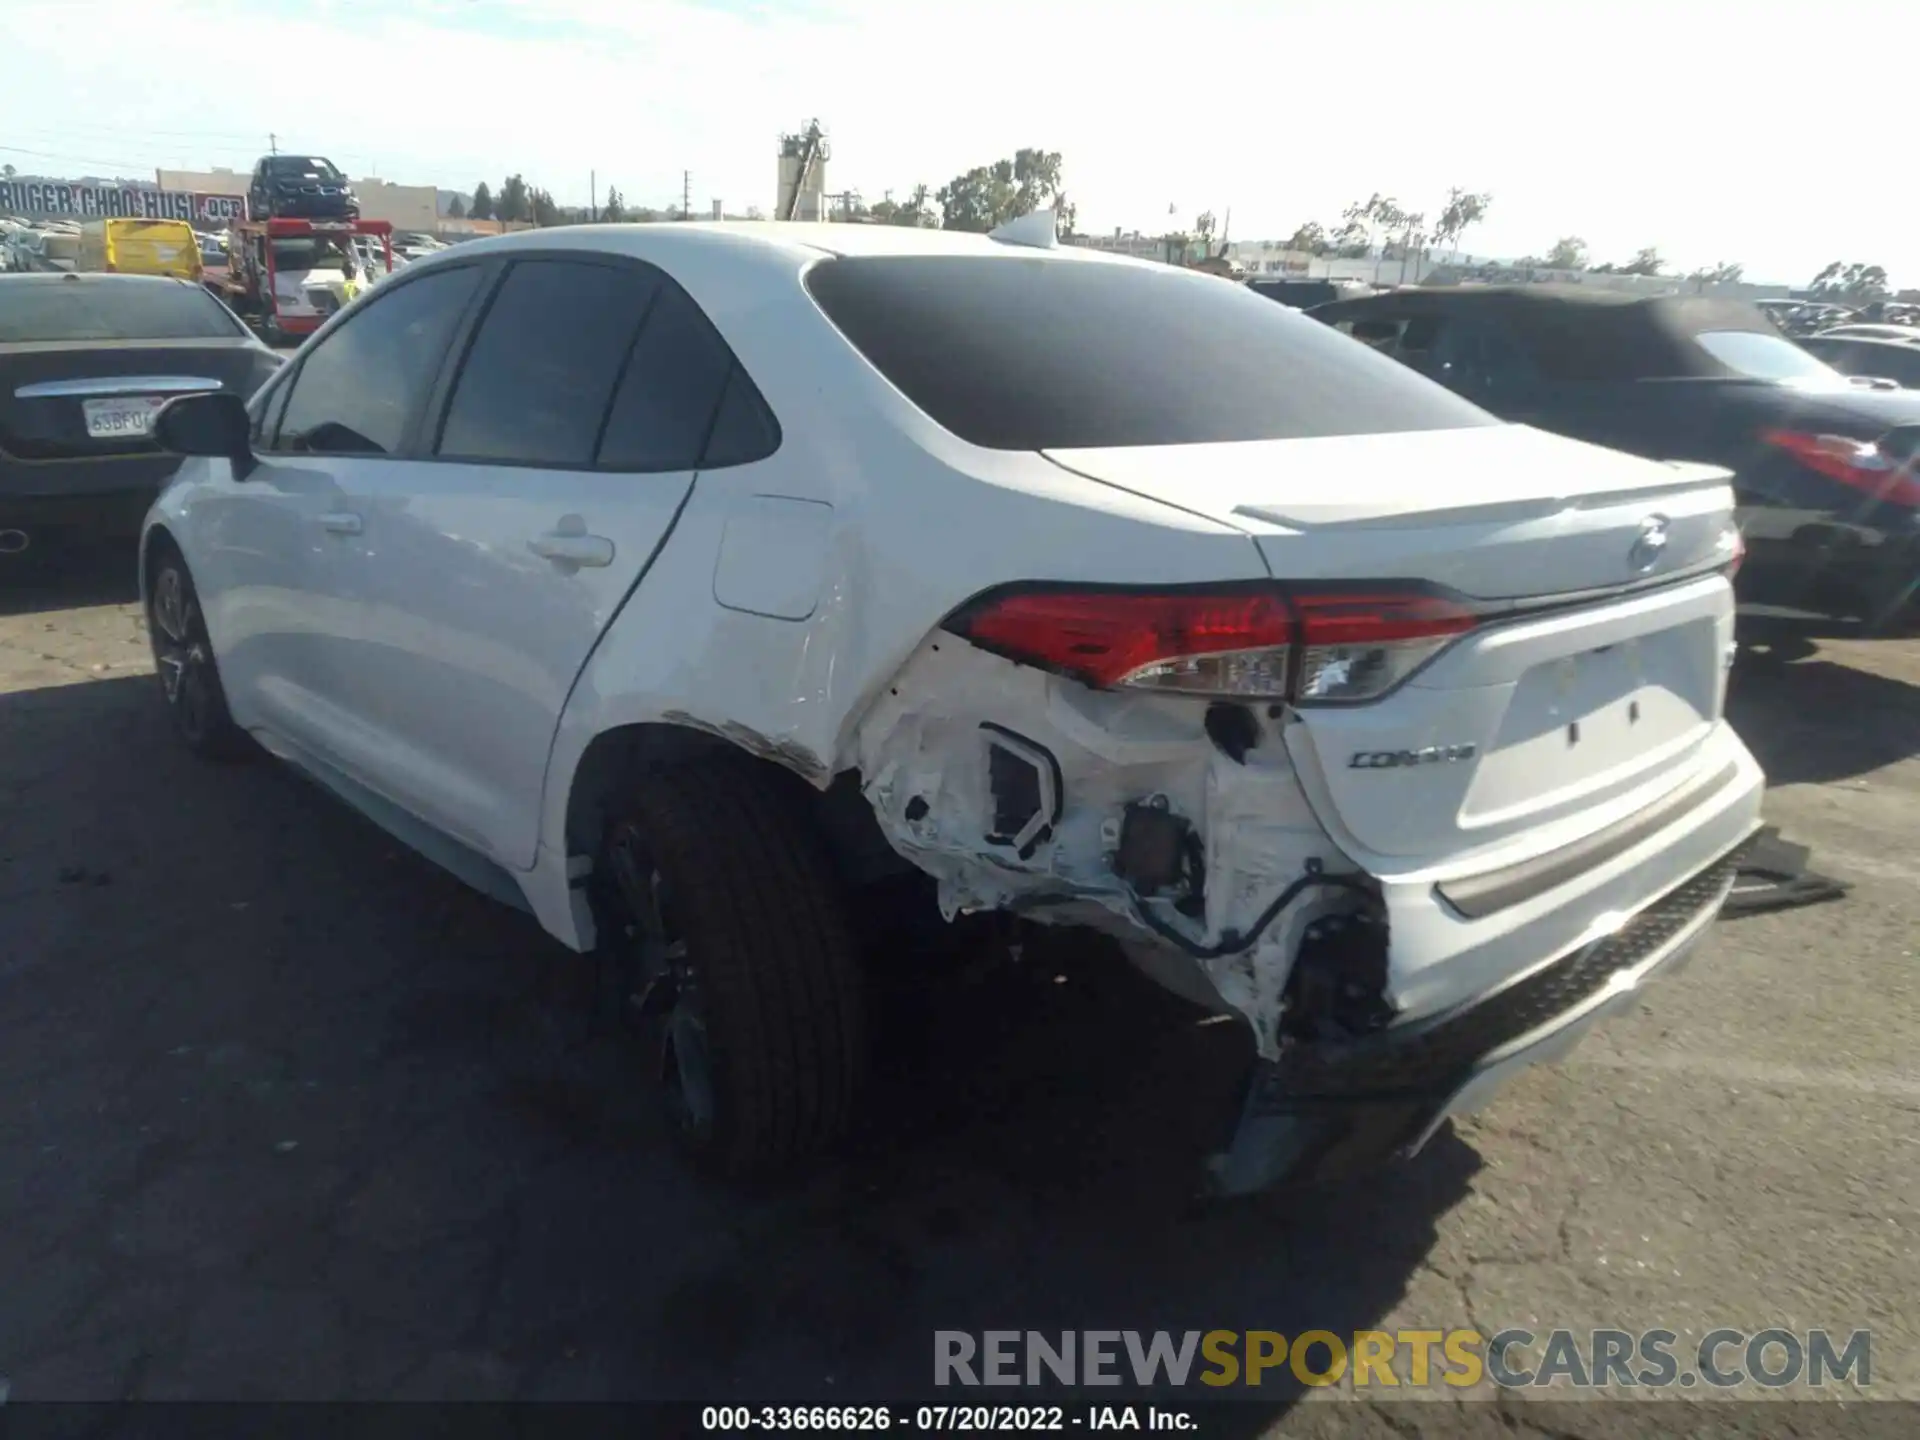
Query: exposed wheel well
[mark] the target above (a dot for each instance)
(618, 759)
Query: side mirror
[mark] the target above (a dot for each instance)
(213, 425)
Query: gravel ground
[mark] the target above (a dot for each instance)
(287, 1113)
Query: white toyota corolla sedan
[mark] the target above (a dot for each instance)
(680, 583)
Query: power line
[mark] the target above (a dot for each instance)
(79, 159)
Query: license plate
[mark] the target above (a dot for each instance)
(126, 417)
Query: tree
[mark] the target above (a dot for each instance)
(1719, 274)
(7, 172)
(1569, 252)
(915, 212)
(482, 207)
(456, 208)
(615, 210)
(991, 195)
(543, 209)
(1644, 262)
(1460, 214)
(514, 202)
(1310, 239)
(1378, 212)
(1203, 228)
(1856, 283)
(1352, 241)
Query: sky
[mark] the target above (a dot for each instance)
(1695, 126)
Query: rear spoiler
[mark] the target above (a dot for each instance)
(1700, 474)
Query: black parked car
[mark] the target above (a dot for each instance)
(1824, 464)
(1302, 294)
(1869, 356)
(300, 187)
(85, 362)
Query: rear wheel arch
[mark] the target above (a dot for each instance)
(619, 758)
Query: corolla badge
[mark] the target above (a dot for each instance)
(1650, 544)
(1400, 759)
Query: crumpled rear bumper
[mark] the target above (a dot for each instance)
(1325, 1112)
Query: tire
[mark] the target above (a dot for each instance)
(738, 960)
(183, 660)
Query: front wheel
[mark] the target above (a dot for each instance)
(737, 957)
(183, 658)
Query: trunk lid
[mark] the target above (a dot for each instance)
(1589, 679)
(49, 391)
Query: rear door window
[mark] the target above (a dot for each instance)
(684, 401)
(1019, 353)
(535, 385)
(1475, 357)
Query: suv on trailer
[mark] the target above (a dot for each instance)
(679, 583)
(300, 187)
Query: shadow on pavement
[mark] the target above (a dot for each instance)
(286, 1113)
(37, 582)
(1812, 721)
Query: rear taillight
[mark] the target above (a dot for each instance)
(1305, 646)
(1360, 646)
(1858, 463)
(1732, 546)
(1204, 643)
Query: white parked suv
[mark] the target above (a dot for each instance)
(677, 583)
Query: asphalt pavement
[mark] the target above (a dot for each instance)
(285, 1112)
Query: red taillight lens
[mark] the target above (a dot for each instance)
(1858, 463)
(1308, 647)
(1222, 642)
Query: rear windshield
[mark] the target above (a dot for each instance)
(1762, 357)
(32, 311)
(1055, 354)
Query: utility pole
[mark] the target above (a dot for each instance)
(593, 195)
(273, 144)
(686, 195)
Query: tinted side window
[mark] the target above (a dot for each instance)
(267, 410)
(357, 388)
(534, 388)
(744, 430)
(1040, 353)
(677, 378)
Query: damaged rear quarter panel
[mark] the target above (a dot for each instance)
(920, 524)
(925, 750)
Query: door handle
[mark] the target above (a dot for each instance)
(591, 550)
(340, 522)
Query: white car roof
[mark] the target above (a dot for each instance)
(790, 240)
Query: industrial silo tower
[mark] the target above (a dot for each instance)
(803, 175)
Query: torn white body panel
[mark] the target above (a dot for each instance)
(1262, 822)
(926, 753)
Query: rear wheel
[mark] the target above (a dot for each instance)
(183, 658)
(737, 962)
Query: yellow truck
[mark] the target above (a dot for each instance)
(127, 246)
